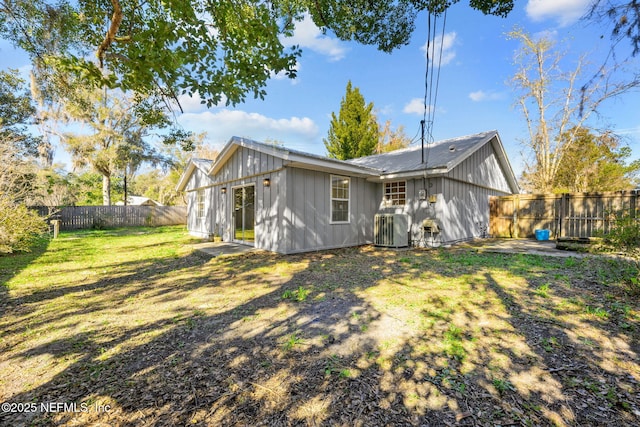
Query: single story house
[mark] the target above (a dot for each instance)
(288, 201)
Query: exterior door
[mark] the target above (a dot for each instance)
(244, 214)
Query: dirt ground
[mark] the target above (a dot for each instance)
(363, 336)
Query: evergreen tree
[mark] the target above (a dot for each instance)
(354, 132)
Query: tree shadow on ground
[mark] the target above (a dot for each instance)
(263, 339)
(12, 264)
(589, 355)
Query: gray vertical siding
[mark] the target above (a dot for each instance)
(293, 214)
(245, 163)
(462, 206)
(307, 215)
(482, 168)
(245, 167)
(251, 167)
(268, 231)
(198, 179)
(200, 227)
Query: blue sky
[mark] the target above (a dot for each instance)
(473, 94)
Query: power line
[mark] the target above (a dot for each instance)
(435, 96)
(431, 89)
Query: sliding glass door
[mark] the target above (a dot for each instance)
(244, 214)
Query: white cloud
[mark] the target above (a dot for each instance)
(446, 43)
(628, 131)
(193, 104)
(481, 95)
(385, 110)
(416, 106)
(308, 35)
(565, 12)
(221, 125)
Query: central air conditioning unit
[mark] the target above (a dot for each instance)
(391, 230)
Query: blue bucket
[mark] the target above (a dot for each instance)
(542, 234)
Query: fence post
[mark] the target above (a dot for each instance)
(56, 227)
(516, 208)
(564, 211)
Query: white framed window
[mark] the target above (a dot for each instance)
(340, 186)
(395, 193)
(200, 204)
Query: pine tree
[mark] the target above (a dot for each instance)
(354, 132)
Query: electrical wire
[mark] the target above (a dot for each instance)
(431, 89)
(415, 137)
(435, 96)
(428, 69)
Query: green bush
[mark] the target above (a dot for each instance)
(19, 227)
(624, 234)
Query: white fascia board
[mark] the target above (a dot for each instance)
(222, 158)
(498, 148)
(184, 178)
(420, 173)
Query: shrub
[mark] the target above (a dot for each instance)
(19, 226)
(624, 234)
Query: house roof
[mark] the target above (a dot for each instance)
(201, 164)
(292, 158)
(439, 158)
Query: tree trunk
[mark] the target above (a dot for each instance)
(106, 190)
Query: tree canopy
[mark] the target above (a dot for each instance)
(391, 139)
(593, 162)
(221, 50)
(624, 16)
(118, 139)
(555, 107)
(16, 111)
(354, 131)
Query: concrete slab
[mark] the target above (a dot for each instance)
(528, 246)
(214, 249)
(510, 246)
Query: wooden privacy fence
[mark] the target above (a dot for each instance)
(79, 217)
(565, 215)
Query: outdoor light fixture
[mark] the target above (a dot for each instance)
(223, 190)
(266, 182)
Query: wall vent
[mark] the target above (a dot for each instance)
(391, 230)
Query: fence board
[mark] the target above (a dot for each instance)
(566, 215)
(82, 217)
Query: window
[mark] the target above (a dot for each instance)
(395, 193)
(339, 198)
(200, 203)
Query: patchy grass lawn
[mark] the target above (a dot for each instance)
(129, 327)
